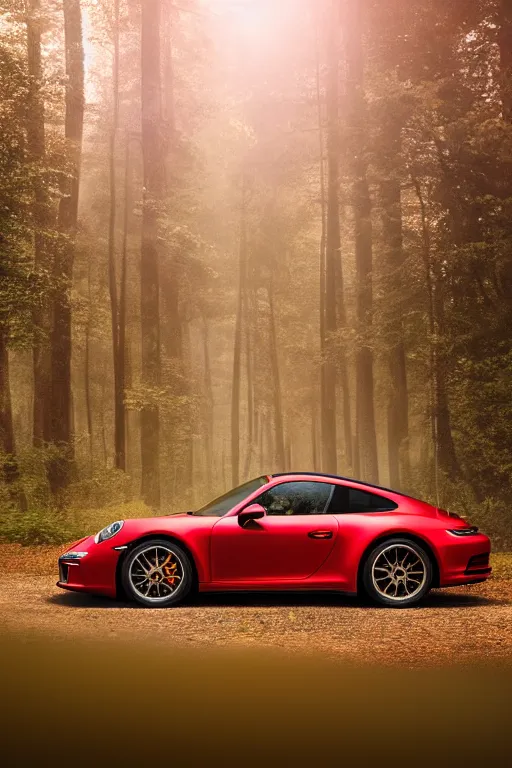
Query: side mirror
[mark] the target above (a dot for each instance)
(252, 512)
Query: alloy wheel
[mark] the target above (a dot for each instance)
(156, 573)
(399, 572)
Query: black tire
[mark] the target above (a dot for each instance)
(134, 585)
(407, 583)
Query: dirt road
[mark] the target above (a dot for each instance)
(277, 702)
(450, 625)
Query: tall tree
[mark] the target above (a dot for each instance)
(154, 187)
(121, 355)
(118, 355)
(249, 306)
(317, 460)
(357, 120)
(276, 381)
(394, 264)
(208, 403)
(41, 316)
(237, 350)
(173, 276)
(505, 46)
(332, 247)
(60, 469)
(333, 117)
(10, 467)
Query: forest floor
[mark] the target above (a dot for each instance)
(455, 625)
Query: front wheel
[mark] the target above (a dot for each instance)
(157, 573)
(397, 573)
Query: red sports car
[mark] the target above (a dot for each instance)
(301, 531)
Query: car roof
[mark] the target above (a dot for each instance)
(345, 479)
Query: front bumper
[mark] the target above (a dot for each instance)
(94, 573)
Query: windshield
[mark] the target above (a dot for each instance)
(223, 504)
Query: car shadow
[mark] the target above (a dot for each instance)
(79, 600)
(434, 600)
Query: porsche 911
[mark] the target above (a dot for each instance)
(282, 532)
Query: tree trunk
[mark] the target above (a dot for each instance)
(444, 449)
(276, 384)
(61, 467)
(505, 47)
(41, 315)
(224, 468)
(318, 461)
(261, 441)
(168, 67)
(208, 391)
(314, 435)
(363, 245)
(10, 468)
(269, 437)
(289, 453)
(237, 352)
(121, 340)
(398, 406)
(87, 376)
(154, 186)
(119, 411)
(180, 432)
(186, 479)
(248, 321)
(103, 427)
(332, 250)
(342, 368)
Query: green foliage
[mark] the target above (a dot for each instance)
(15, 283)
(52, 527)
(483, 411)
(36, 527)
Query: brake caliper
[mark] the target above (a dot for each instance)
(170, 573)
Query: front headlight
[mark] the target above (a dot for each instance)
(109, 531)
(73, 555)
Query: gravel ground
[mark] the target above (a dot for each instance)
(451, 625)
(276, 703)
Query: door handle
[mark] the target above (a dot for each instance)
(320, 534)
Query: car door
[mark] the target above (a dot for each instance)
(291, 542)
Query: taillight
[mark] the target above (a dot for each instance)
(471, 531)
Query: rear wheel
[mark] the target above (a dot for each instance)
(397, 573)
(157, 573)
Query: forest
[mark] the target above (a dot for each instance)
(248, 236)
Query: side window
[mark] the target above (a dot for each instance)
(361, 501)
(347, 499)
(300, 498)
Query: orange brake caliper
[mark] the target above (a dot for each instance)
(169, 570)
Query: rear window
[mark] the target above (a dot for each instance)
(349, 500)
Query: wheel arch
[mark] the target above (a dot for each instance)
(120, 592)
(404, 535)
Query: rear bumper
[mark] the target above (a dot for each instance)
(465, 560)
